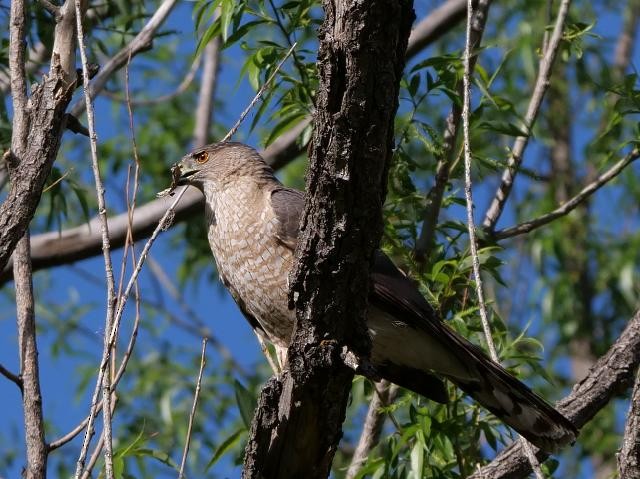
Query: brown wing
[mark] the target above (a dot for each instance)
(287, 205)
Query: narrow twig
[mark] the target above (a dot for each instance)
(542, 84)
(106, 248)
(471, 223)
(467, 187)
(50, 7)
(629, 456)
(570, 205)
(93, 459)
(179, 90)
(262, 89)
(14, 378)
(192, 414)
(383, 395)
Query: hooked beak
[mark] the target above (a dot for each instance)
(180, 174)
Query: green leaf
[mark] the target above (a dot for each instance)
(503, 127)
(246, 402)
(224, 447)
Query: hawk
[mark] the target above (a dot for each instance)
(252, 222)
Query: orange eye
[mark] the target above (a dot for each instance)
(202, 157)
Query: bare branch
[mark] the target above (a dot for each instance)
(383, 395)
(520, 144)
(439, 21)
(108, 267)
(262, 89)
(50, 7)
(141, 42)
(192, 414)
(570, 205)
(14, 378)
(179, 90)
(425, 242)
(624, 45)
(29, 367)
(629, 456)
(207, 92)
(610, 375)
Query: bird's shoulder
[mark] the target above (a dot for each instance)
(287, 205)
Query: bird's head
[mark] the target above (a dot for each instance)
(219, 164)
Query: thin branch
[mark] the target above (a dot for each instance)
(195, 325)
(50, 7)
(612, 374)
(14, 378)
(383, 395)
(262, 89)
(473, 243)
(426, 239)
(570, 205)
(141, 42)
(629, 457)
(466, 80)
(207, 93)
(29, 367)
(192, 414)
(624, 45)
(179, 90)
(520, 144)
(106, 249)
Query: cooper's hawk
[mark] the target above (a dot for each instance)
(252, 229)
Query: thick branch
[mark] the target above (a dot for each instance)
(440, 21)
(609, 376)
(298, 424)
(33, 153)
(629, 457)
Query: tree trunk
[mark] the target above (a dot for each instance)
(298, 424)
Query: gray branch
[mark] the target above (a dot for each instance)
(610, 375)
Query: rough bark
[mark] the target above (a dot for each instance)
(36, 467)
(629, 457)
(360, 62)
(28, 172)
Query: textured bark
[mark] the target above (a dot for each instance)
(45, 118)
(612, 374)
(36, 467)
(360, 62)
(629, 457)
